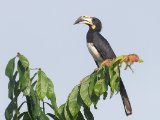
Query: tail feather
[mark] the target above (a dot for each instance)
(125, 99)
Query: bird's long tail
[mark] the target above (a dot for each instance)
(125, 99)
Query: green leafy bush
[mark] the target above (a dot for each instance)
(35, 88)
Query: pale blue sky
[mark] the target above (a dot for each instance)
(44, 32)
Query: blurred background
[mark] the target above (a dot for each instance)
(44, 32)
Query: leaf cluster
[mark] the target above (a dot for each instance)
(38, 86)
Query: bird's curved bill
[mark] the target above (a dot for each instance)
(84, 20)
(78, 20)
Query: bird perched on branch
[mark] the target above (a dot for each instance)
(101, 50)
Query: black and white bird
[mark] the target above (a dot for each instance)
(101, 50)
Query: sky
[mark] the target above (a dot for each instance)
(43, 31)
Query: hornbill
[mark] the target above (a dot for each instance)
(101, 50)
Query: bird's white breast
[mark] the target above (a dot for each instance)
(93, 51)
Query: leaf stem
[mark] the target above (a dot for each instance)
(44, 107)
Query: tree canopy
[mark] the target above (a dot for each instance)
(35, 87)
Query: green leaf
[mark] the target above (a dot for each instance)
(60, 109)
(80, 116)
(107, 80)
(43, 116)
(66, 114)
(52, 97)
(84, 91)
(11, 86)
(105, 95)
(10, 68)
(111, 75)
(20, 68)
(24, 79)
(33, 105)
(42, 85)
(24, 61)
(50, 90)
(101, 73)
(92, 84)
(9, 110)
(94, 98)
(17, 89)
(100, 87)
(88, 114)
(111, 72)
(73, 104)
(25, 83)
(26, 116)
(115, 83)
(116, 69)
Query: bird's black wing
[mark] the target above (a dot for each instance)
(103, 47)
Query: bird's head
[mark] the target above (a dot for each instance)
(92, 22)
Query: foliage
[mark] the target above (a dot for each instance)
(39, 86)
